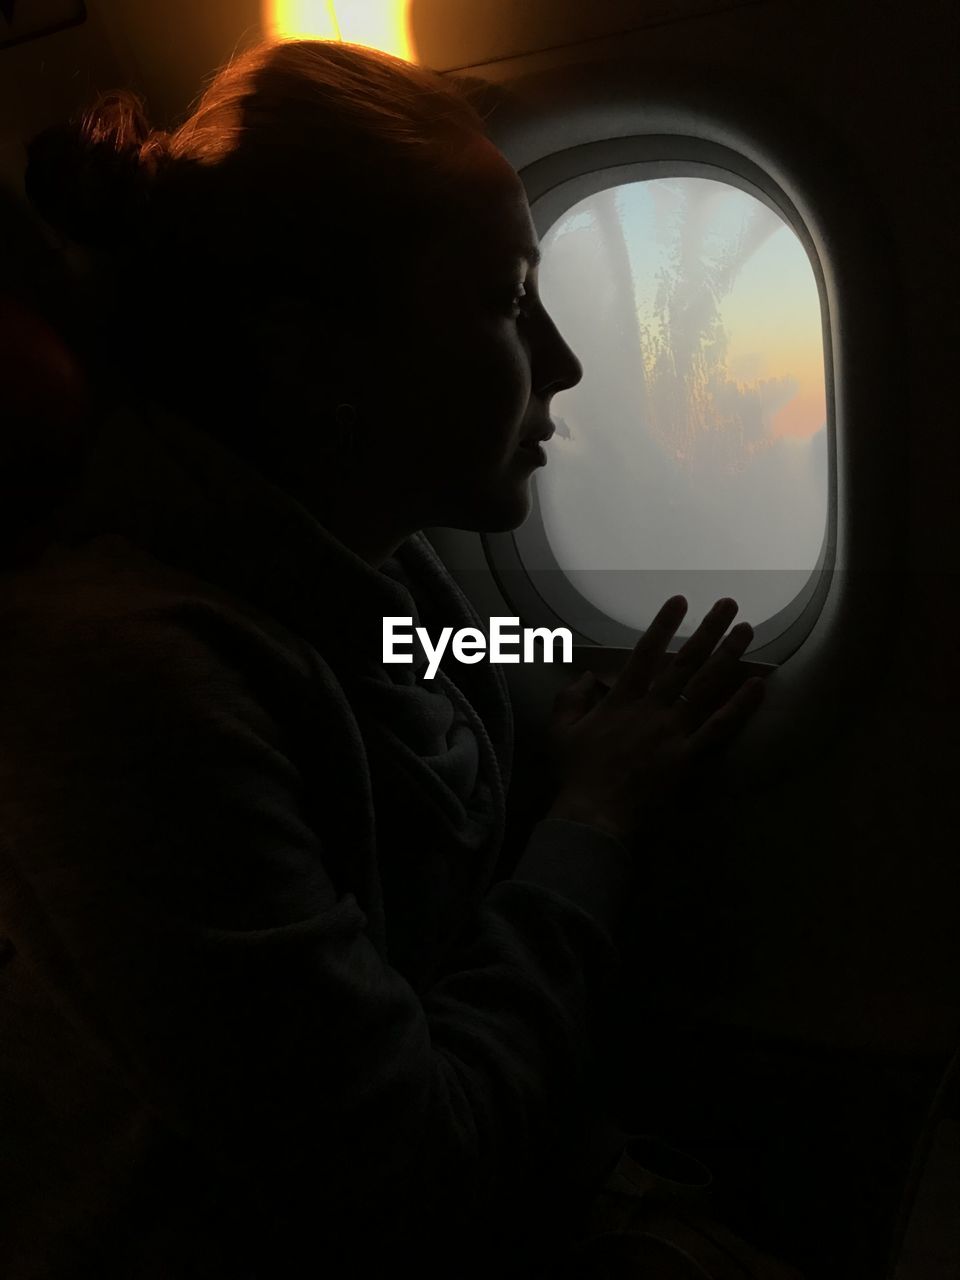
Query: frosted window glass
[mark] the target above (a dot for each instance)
(694, 450)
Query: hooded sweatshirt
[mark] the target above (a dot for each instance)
(266, 1007)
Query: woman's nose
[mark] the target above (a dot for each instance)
(556, 367)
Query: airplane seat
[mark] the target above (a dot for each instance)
(44, 389)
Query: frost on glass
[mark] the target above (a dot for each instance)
(692, 457)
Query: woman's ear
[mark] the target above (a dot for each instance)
(311, 366)
(302, 351)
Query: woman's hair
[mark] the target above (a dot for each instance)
(305, 165)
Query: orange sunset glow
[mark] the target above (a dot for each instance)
(378, 24)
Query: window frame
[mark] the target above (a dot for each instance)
(554, 184)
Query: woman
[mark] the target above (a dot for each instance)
(286, 1018)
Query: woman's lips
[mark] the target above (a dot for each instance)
(534, 442)
(535, 452)
(539, 435)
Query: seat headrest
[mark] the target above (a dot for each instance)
(44, 390)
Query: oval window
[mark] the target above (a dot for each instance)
(692, 456)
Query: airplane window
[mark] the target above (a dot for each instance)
(693, 455)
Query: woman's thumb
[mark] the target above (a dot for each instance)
(574, 700)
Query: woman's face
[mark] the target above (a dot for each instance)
(456, 402)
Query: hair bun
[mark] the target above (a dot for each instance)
(91, 180)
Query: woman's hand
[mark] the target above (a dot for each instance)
(620, 755)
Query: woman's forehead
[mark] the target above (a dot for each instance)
(493, 198)
(494, 226)
(484, 246)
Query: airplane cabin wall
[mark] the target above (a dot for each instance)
(43, 82)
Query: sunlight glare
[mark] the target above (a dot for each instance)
(310, 19)
(377, 24)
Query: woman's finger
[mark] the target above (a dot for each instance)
(574, 700)
(694, 653)
(578, 698)
(634, 680)
(731, 717)
(718, 678)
